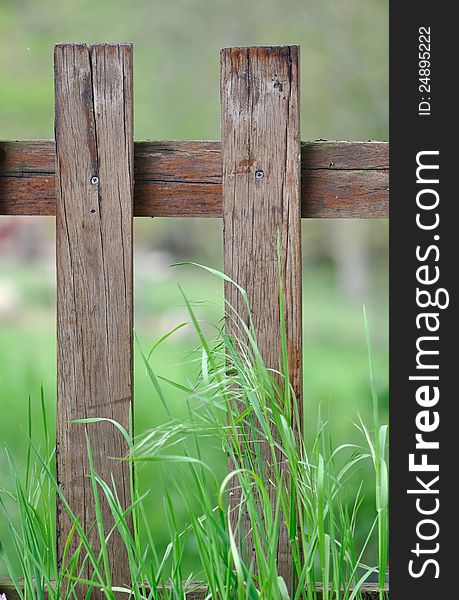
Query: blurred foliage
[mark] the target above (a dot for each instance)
(344, 89)
(176, 60)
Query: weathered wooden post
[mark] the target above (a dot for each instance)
(261, 200)
(94, 209)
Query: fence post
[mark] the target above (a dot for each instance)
(94, 197)
(261, 199)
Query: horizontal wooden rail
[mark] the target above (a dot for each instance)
(369, 591)
(184, 179)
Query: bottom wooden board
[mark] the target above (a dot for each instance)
(369, 591)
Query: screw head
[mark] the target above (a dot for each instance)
(259, 174)
(94, 180)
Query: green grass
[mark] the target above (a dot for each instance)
(335, 365)
(237, 405)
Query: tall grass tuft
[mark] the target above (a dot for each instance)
(246, 409)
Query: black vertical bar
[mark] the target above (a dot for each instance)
(423, 321)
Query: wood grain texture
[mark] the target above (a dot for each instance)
(261, 200)
(369, 591)
(184, 179)
(94, 139)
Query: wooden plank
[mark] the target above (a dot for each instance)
(369, 591)
(261, 200)
(94, 183)
(183, 179)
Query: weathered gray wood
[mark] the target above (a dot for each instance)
(94, 202)
(261, 200)
(183, 179)
(369, 591)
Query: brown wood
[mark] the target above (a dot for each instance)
(93, 96)
(369, 591)
(183, 179)
(261, 200)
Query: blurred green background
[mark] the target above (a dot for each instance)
(344, 86)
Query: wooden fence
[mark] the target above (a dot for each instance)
(261, 179)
